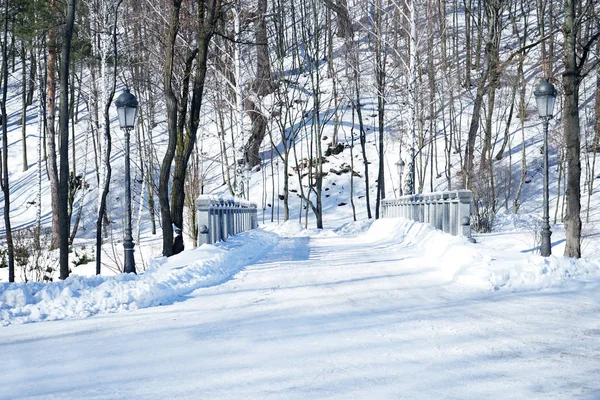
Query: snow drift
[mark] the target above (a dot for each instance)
(485, 266)
(164, 282)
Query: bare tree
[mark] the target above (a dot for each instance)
(577, 50)
(63, 122)
(380, 79)
(171, 98)
(340, 7)
(107, 21)
(489, 74)
(288, 115)
(51, 131)
(4, 121)
(261, 86)
(24, 80)
(181, 141)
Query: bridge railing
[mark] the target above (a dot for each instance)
(448, 211)
(221, 217)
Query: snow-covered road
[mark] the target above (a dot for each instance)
(322, 317)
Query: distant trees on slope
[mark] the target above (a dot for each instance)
(446, 85)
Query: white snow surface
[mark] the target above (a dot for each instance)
(164, 282)
(383, 310)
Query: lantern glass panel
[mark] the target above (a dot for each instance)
(542, 105)
(130, 116)
(122, 119)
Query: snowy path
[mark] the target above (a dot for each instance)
(321, 317)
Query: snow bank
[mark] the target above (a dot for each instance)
(493, 264)
(488, 265)
(164, 282)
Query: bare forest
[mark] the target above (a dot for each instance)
(272, 92)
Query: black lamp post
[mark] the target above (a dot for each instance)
(545, 96)
(247, 179)
(126, 109)
(400, 165)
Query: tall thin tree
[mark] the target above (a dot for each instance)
(575, 71)
(63, 123)
(4, 121)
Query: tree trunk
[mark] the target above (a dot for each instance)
(571, 82)
(4, 120)
(431, 70)
(479, 29)
(72, 106)
(551, 45)
(259, 128)
(522, 117)
(286, 185)
(513, 95)
(149, 141)
(340, 7)
(32, 72)
(596, 142)
(171, 100)
(108, 94)
(493, 10)
(208, 14)
(51, 133)
(363, 146)
(541, 19)
(472, 134)
(380, 70)
(468, 49)
(182, 148)
(40, 128)
(63, 122)
(357, 106)
(262, 86)
(24, 105)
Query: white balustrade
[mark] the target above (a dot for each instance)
(448, 211)
(220, 217)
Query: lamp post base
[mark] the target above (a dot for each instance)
(546, 246)
(129, 258)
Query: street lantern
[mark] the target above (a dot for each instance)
(400, 166)
(126, 109)
(545, 97)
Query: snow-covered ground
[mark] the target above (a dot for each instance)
(392, 309)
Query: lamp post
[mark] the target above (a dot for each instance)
(400, 165)
(247, 179)
(126, 109)
(545, 96)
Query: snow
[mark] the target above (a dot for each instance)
(164, 282)
(388, 309)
